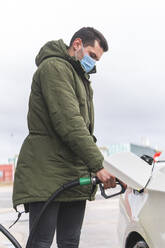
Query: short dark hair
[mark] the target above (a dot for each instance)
(88, 35)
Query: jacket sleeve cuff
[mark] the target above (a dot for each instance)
(96, 167)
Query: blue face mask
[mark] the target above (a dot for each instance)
(88, 63)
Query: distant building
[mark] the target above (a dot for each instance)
(6, 173)
(139, 150)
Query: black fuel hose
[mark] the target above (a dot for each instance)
(9, 236)
(51, 198)
(81, 181)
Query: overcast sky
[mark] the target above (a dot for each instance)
(129, 88)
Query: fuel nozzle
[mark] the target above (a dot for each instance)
(95, 180)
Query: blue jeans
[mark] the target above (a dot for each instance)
(65, 218)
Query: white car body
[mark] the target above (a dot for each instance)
(142, 215)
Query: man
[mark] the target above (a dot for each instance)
(61, 146)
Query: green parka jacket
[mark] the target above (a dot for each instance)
(60, 146)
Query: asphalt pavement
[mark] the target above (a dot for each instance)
(99, 227)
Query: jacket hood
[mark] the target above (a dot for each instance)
(59, 49)
(52, 49)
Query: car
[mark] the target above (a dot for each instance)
(141, 221)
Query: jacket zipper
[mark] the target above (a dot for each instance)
(88, 102)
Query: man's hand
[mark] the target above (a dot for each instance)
(106, 178)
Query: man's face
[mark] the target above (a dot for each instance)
(95, 52)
